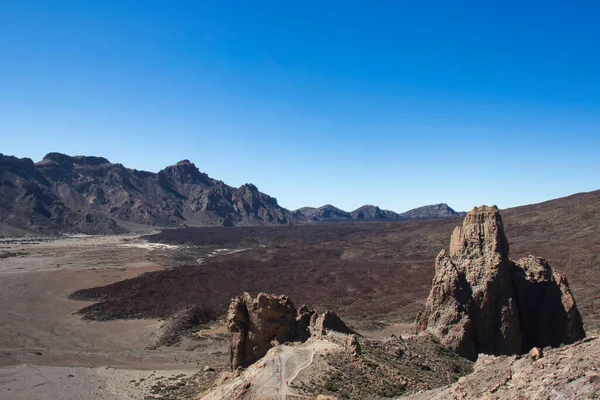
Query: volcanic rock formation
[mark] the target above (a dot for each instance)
(483, 302)
(328, 321)
(257, 324)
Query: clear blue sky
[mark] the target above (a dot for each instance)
(394, 103)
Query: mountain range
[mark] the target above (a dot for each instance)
(85, 194)
(374, 213)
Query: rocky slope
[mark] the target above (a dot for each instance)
(302, 354)
(483, 302)
(570, 372)
(91, 195)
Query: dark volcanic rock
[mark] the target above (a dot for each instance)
(482, 302)
(180, 324)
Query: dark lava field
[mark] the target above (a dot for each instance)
(370, 273)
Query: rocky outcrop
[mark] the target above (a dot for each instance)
(254, 323)
(328, 321)
(257, 324)
(483, 302)
(352, 345)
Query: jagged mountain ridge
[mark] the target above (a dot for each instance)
(86, 194)
(91, 195)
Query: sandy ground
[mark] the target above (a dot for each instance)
(48, 352)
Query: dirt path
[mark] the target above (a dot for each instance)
(292, 361)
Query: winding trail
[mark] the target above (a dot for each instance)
(292, 361)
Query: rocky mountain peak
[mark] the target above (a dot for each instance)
(441, 210)
(15, 164)
(483, 302)
(481, 237)
(64, 159)
(370, 212)
(326, 212)
(187, 172)
(249, 186)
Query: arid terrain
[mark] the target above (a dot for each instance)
(48, 352)
(82, 316)
(369, 273)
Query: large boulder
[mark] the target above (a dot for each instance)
(483, 302)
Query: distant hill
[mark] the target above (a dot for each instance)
(441, 210)
(368, 212)
(324, 213)
(84, 194)
(374, 213)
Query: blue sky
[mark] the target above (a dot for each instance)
(394, 103)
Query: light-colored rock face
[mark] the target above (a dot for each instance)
(257, 324)
(479, 243)
(254, 323)
(482, 302)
